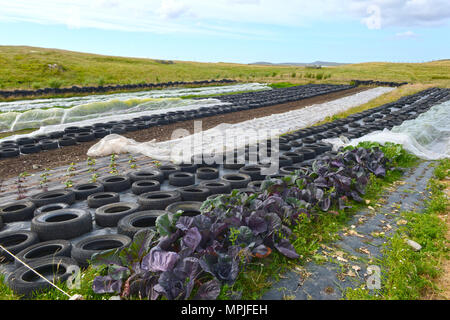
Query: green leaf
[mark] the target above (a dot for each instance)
(165, 223)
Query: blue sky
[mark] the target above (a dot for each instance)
(235, 30)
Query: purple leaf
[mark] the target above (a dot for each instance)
(256, 223)
(106, 284)
(159, 260)
(184, 223)
(192, 238)
(209, 290)
(286, 248)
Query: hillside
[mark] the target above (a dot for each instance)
(32, 68)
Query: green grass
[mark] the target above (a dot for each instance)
(409, 274)
(279, 85)
(28, 68)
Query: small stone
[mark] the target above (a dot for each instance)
(414, 245)
(76, 297)
(35, 166)
(115, 298)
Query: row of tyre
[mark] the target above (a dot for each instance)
(377, 83)
(108, 88)
(48, 211)
(282, 95)
(74, 135)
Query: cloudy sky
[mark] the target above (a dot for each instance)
(235, 30)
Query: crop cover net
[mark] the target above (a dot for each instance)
(227, 137)
(427, 136)
(48, 112)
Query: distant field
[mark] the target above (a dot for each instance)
(34, 68)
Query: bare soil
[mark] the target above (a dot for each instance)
(64, 156)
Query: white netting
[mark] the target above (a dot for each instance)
(126, 96)
(56, 119)
(427, 136)
(229, 136)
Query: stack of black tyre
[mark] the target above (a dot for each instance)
(377, 83)
(107, 88)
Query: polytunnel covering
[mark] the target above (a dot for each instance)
(427, 136)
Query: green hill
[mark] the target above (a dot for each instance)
(23, 67)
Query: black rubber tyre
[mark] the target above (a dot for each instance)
(138, 221)
(188, 167)
(16, 241)
(67, 141)
(158, 200)
(216, 186)
(48, 145)
(50, 207)
(30, 148)
(24, 141)
(17, 211)
(255, 185)
(287, 170)
(153, 174)
(55, 196)
(116, 183)
(254, 171)
(295, 157)
(237, 180)
(82, 191)
(110, 214)
(181, 179)
(169, 169)
(84, 249)
(285, 146)
(85, 137)
(9, 152)
(194, 193)
(143, 186)
(100, 199)
(62, 224)
(207, 173)
(41, 250)
(307, 153)
(1, 223)
(284, 161)
(189, 208)
(25, 282)
(101, 133)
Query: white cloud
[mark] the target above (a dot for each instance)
(374, 20)
(405, 13)
(406, 34)
(171, 9)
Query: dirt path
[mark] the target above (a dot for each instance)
(64, 156)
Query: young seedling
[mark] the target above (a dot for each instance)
(21, 190)
(70, 169)
(44, 179)
(113, 165)
(91, 164)
(94, 178)
(132, 161)
(157, 163)
(69, 184)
